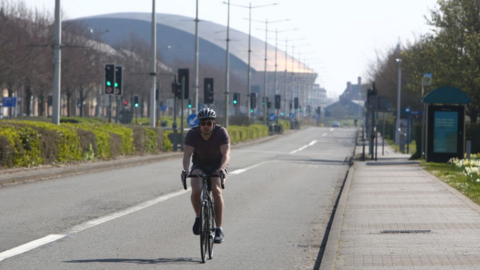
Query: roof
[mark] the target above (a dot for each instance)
(447, 95)
(212, 33)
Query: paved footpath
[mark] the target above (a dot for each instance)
(392, 214)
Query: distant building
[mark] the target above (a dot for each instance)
(351, 102)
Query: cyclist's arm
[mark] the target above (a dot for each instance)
(187, 153)
(225, 150)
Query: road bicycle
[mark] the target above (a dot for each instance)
(207, 212)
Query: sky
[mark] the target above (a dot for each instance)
(339, 39)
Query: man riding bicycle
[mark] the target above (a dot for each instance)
(210, 146)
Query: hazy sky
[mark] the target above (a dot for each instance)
(337, 38)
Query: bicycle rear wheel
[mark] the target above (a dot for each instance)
(211, 236)
(204, 235)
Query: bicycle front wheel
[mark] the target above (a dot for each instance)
(211, 236)
(204, 235)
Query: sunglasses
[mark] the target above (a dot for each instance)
(208, 123)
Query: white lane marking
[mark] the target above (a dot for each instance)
(239, 171)
(303, 147)
(331, 129)
(97, 221)
(29, 246)
(89, 224)
(324, 134)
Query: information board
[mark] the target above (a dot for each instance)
(445, 137)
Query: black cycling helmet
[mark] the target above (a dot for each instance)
(206, 113)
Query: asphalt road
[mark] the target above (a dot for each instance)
(278, 200)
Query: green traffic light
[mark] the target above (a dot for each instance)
(136, 105)
(234, 102)
(189, 106)
(116, 85)
(251, 110)
(109, 83)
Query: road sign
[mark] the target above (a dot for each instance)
(427, 79)
(192, 120)
(163, 108)
(9, 101)
(272, 116)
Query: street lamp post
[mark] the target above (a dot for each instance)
(196, 59)
(249, 79)
(287, 107)
(276, 63)
(58, 65)
(265, 67)
(227, 70)
(154, 67)
(399, 92)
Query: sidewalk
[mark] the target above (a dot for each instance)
(394, 215)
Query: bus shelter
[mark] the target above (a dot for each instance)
(445, 123)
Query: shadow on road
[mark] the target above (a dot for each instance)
(140, 261)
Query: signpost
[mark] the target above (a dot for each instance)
(192, 120)
(9, 101)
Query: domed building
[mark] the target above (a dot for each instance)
(176, 46)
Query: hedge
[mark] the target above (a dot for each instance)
(29, 143)
(32, 143)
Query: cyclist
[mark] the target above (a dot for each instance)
(209, 146)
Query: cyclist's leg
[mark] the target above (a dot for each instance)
(196, 184)
(218, 199)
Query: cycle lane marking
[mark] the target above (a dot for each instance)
(30, 245)
(239, 171)
(86, 225)
(303, 147)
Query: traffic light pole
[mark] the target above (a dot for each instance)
(181, 114)
(109, 108)
(174, 125)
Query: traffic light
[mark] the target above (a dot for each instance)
(278, 102)
(264, 99)
(318, 110)
(118, 80)
(269, 104)
(208, 90)
(176, 88)
(295, 103)
(299, 108)
(109, 79)
(236, 99)
(125, 103)
(183, 76)
(189, 103)
(253, 101)
(136, 101)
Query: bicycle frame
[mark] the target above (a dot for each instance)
(207, 213)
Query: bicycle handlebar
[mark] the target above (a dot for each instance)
(220, 174)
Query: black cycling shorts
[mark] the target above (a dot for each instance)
(208, 169)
